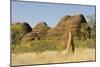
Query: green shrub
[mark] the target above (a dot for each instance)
(44, 45)
(38, 46)
(21, 48)
(48, 45)
(90, 43)
(18, 30)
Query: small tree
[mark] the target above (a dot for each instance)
(92, 23)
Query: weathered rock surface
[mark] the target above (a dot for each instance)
(41, 29)
(75, 23)
(18, 30)
(22, 32)
(59, 30)
(30, 37)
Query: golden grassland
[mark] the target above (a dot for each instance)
(81, 54)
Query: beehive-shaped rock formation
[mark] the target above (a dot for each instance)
(41, 29)
(18, 30)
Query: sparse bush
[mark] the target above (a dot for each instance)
(42, 45)
(39, 46)
(46, 45)
(90, 43)
(21, 48)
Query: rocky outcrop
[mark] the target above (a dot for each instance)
(59, 30)
(18, 30)
(41, 29)
(30, 37)
(22, 32)
(75, 23)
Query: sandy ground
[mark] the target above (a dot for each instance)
(54, 57)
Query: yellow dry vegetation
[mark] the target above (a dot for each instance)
(81, 54)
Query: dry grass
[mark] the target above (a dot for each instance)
(80, 54)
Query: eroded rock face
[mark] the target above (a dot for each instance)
(58, 31)
(74, 22)
(22, 32)
(18, 30)
(69, 23)
(31, 36)
(41, 29)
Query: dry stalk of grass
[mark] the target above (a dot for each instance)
(53, 57)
